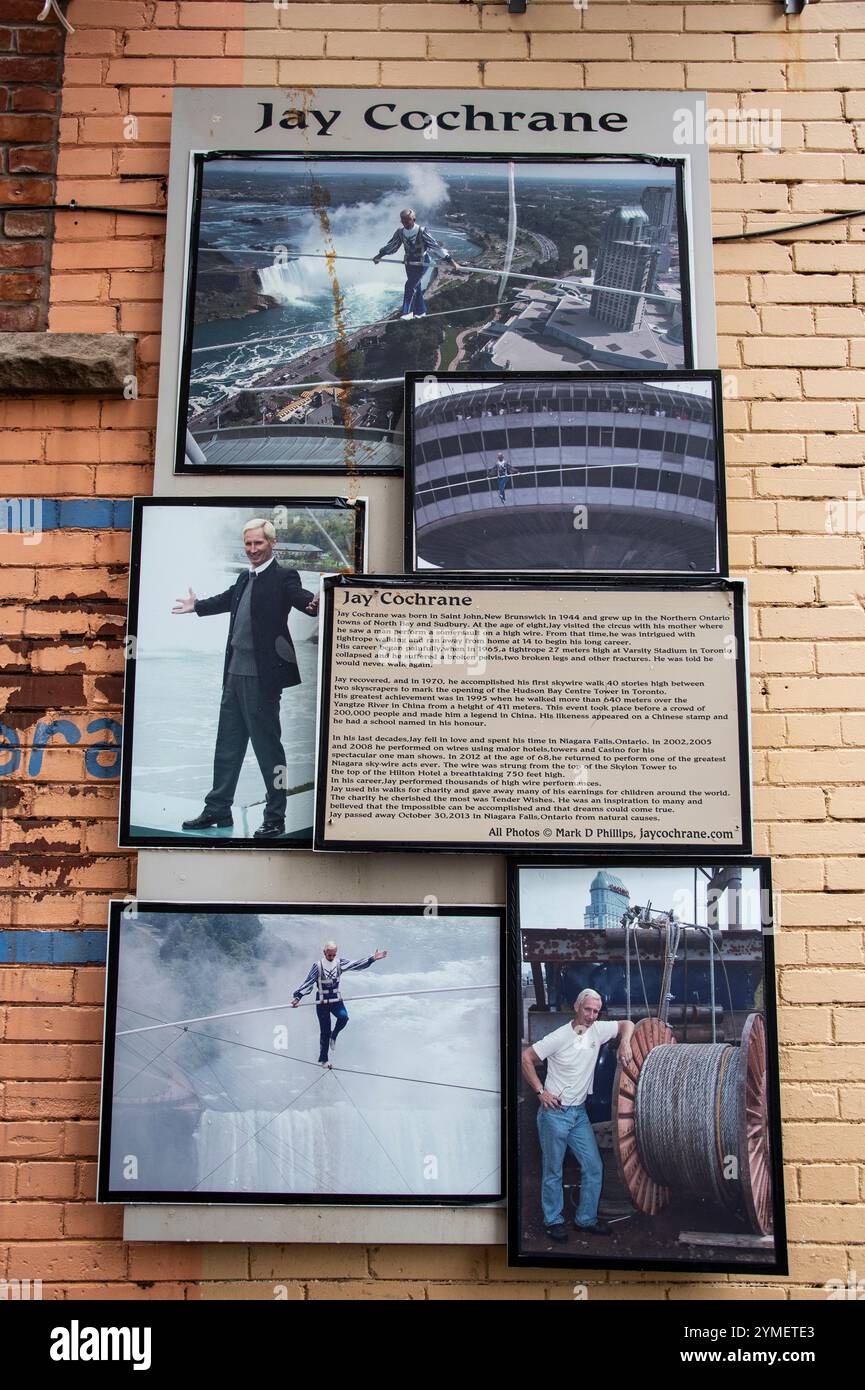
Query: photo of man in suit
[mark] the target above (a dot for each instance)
(260, 663)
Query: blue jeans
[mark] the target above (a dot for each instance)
(324, 1011)
(413, 301)
(558, 1130)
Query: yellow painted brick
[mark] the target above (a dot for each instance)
(849, 1025)
(250, 1291)
(836, 947)
(853, 1102)
(580, 47)
(426, 74)
(280, 1262)
(714, 48)
(793, 165)
(822, 986)
(536, 74)
(825, 197)
(739, 483)
(796, 106)
(756, 1293)
(832, 319)
(741, 552)
(766, 383)
(460, 1293)
(851, 45)
(844, 385)
(843, 14)
(768, 730)
(555, 16)
(644, 76)
(428, 17)
(785, 47)
(805, 1026)
(837, 448)
(737, 318)
(835, 1182)
(360, 73)
(279, 43)
(752, 256)
(715, 75)
(813, 622)
(750, 516)
(828, 837)
(748, 198)
(811, 77)
(824, 692)
(813, 730)
(853, 728)
(808, 1103)
(810, 552)
(847, 802)
(804, 482)
(486, 46)
(802, 289)
(827, 765)
(664, 17)
(843, 587)
(764, 18)
(841, 659)
(361, 1290)
(830, 256)
(814, 352)
(784, 319)
(765, 448)
(427, 1262)
(782, 658)
(817, 1264)
(838, 1063)
(797, 875)
(775, 803)
(326, 17)
(849, 875)
(391, 45)
(826, 1223)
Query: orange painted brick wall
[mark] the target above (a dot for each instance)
(791, 314)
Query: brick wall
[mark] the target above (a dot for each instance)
(791, 313)
(31, 62)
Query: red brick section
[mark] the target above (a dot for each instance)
(792, 329)
(31, 64)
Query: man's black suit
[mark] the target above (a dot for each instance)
(249, 710)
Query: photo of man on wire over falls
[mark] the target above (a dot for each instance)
(315, 284)
(223, 1078)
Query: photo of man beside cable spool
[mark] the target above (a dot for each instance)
(644, 1125)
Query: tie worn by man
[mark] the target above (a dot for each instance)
(260, 663)
(571, 1054)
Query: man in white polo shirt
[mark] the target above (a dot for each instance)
(571, 1054)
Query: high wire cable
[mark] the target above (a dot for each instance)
(270, 1008)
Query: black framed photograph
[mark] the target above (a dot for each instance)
(315, 282)
(303, 1053)
(222, 666)
(644, 1123)
(583, 472)
(472, 713)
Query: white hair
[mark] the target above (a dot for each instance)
(329, 945)
(587, 994)
(261, 523)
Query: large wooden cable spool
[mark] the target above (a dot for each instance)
(646, 1194)
(679, 1120)
(755, 1169)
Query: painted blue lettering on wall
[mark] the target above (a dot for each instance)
(91, 757)
(12, 754)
